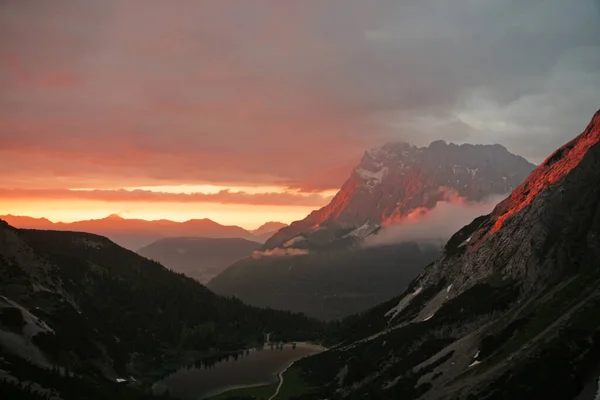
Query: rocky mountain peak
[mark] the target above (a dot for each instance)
(394, 180)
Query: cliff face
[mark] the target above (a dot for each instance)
(398, 179)
(542, 228)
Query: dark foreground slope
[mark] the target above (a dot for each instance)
(78, 304)
(196, 257)
(510, 310)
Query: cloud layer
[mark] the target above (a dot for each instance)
(438, 224)
(133, 196)
(135, 93)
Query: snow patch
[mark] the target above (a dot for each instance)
(467, 240)
(342, 375)
(392, 383)
(280, 252)
(33, 325)
(121, 380)
(476, 355)
(293, 240)
(472, 172)
(474, 363)
(402, 304)
(428, 318)
(360, 232)
(21, 344)
(372, 176)
(449, 288)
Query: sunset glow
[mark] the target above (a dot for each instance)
(242, 114)
(249, 217)
(248, 207)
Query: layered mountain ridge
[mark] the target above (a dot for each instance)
(198, 258)
(398, 179)
(136, 233)
(268, 229)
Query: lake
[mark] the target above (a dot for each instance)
(249, 368)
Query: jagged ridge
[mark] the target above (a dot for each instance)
(397, 179)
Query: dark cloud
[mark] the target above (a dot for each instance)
(278, 92)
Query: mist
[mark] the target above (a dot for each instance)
(280, 252)
(437, 224)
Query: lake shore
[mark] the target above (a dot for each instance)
(262, 367)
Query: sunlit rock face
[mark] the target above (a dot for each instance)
(398, 180)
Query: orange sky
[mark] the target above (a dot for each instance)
(248, 217)
(262, 109)
(248, 207)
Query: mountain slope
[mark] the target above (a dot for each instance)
(135, 233)
(268, 229)
(509, 311)
(199, 258)
(80, 302)
(398, 179)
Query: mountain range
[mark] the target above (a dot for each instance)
(268, 229)
(199, 258)
(136, 233)
(508, 311)
(321, 266)
(398, 180)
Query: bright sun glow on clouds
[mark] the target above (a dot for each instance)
(212, 189)
(246, 216)
(244, 206)
(207, 189)
(207, 108)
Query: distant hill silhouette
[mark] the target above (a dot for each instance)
(135, 233)
(196, 257)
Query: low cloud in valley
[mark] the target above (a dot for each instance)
(437, 224)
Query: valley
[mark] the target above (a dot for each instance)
(507, 310)
(199, 258)
(300, 200)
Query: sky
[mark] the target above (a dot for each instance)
(249, 111)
